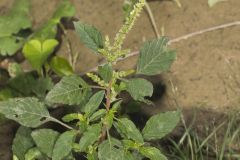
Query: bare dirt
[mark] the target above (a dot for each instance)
(206, 73)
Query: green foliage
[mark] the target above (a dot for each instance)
(63, 146)
(37, 52)
(152, 153)
(22, 142)
(97, 117)
(93, 103)
(49, 30)
(155, 57)
(61, 66)
(139, 89)
(70, 90)
(28, 112)
(89, 137)
(128, 130)
(17, 19)
(89, 35)
(160, 125)
(45, 140)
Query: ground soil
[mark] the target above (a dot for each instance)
(206, 72)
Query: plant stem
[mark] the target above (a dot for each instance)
(152, 19)
(61, 123)
(108, 96)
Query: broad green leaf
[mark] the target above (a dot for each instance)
(49, 29)
(139, 89)
(160, 125)
(110, 149)
(63, 145)
(128, 130)
(152, 153)
(93, 103)
(45, 140)
(105, 72)
(11, 24)
(71, 90)
(155, 58)
(37, 52)
(61, 66)
(212, 3)
(28, 112)
(22, 142)
(97, 115)
(73, 116)
(89, 35)
(90, 136)
(42, 85)
(33, 154)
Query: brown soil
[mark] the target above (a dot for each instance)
(206, 72)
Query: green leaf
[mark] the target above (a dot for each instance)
(64, 9)
(90, 136)
(152, 153)
(45, 140)
(28, 112)
(97, 115)
(105, 72)
(212, 3)
(93, 103)
(61, 66)
(155, 58)
(49, 29)
(42, 85)
(89, 35)
(160, 125)
(22, 142)
(5, 94)
(128, 130)
(71, 90)
(37, 52)
(139, 89)
(33, 154)
(16, 20)
(73, 116)
(110, 149)
(63, 146)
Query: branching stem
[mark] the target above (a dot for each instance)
(61, 123)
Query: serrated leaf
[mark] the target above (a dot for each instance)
(16, 20)
(105, 72)
(90, 136)
(160, 125)
(22, 142)
(128, 130)
(33, 154)
(110, 149)
(61, 66)
(139, 89)
(28, 112)
(45, 140)
(63, 145)
(212, 3)
(37, 52)
(93, 103)
(154, 57)
(152, 153)
(97, 115)
(89, 35)
(71, 90)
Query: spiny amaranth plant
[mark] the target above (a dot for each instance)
(96, 130)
